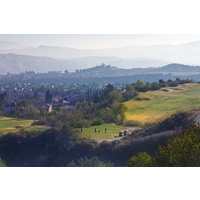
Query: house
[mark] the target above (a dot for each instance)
(10, 105)
(41, 105)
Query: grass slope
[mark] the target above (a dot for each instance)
(12, 125)
(112, 130)
(162, 104)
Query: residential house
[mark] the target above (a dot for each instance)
(10, 105)
(42, 105)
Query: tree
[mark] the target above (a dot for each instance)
(115, 96)
(107, 115)
(142, 159)
(49, 95)
(130, 92)
(155, 86)
(119, 112)
(109, 88)
(161, 81)
(66, 71)
(23, 103)
(140, 86)
(97, 122)
(139, 83)
(43, 113)
(36, 95)
(182, 151)
(31, 111)
(3, 97)
(96, 98)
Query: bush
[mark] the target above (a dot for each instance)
(132, 123)
(82, 124)
(182, 151)
(142, 159)
(141, 99)
(149, 124)
(92, 162)
(97, 122)
(173, 84)
(2, 163)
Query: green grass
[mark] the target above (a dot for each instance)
(163, 104)
(12, 125)
(112, 130)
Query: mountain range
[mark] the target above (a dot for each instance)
(15, 58)
(14, 63)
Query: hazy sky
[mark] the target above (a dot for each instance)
(95, 41)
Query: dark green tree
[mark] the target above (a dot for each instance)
(130, 92)
(49, 95)
(109, 88)
(36, 95)
(115, 96)
(3, 97)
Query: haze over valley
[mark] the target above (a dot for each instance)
(17, 58)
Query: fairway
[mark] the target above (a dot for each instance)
(163, 103)
(112, 130)
(12, 125)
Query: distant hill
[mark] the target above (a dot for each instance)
(14, 63)
(10, 45)
(113, 66)
(103, 74)
(126, 63)
(185, 53)
(105, 70)
(178, 68)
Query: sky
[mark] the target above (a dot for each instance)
(98, 41)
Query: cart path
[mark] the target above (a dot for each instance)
(129, 129)
(197, 119)
(108, 139)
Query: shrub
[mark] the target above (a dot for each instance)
(141, 99)
(142, 159)
(2, 163)
(97, 122)
(182, 151)
(82, 123)
(92, 162)
(132, 123)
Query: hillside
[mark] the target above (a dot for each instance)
(99, 74)
(13, 63)
(159, 105)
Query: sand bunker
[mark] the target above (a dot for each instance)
(11, 128)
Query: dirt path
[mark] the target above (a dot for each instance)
(129, 129)
(46, 126)
(108, 139)
(197, 119)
